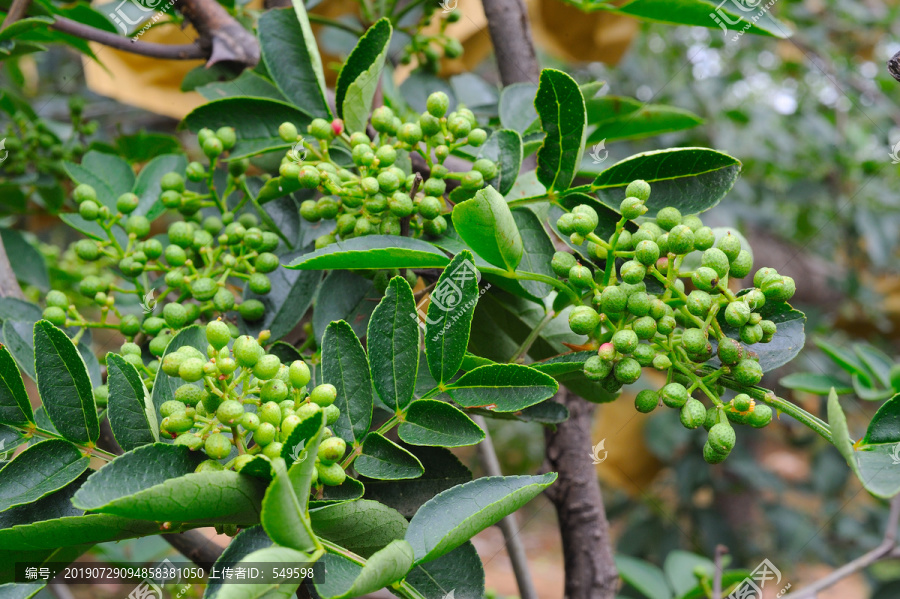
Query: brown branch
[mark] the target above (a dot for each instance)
(587, 550)
(165, 51)
(195, 546)
(17, 11)
(511, 36)
(229, 40)
(721, 550)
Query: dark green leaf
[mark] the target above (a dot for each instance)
(393, 343)
(383, 459)
(28, 264)
(349, 490)
(450, 317)
(247, 84)
(292, 58)
(845, 359)
(64, 384)
(15, 590)
(284, 507)
(158, 482)
(362, 526)
(15, 309)
(344, 296)
(15, 407)
(143, 147)
(788, 340)
(459, 572)
(517, 106)
(817, 383)
(41, 469)
(246, 542)
(437, 423)
(877, 363)
(456, 515)
(690, 179)
(81, 174)
(505, 148)
(360, 75)
(704, 14)
(345, 366)
(27, 24)
(132, 416)
(680, 566)
(384, 567)
(563, 117)
(373, 251)
(537, 254)
(271, 587)
(546, 412)
(571, 362)
(111, 169)
(502, 387)
(650, 119)
(486, 224)
(885, 424)
(147, 187)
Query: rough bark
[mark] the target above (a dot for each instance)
(229, 40)
(587, 550)
(511, 36)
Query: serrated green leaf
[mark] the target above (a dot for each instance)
(344, 365)
(15, 407)
(450, 317)
(459, 572)
(64, 384)
(362, 526)
(690, 179)
(360, 75)
(158, 482)
(648, 120)
(292, 59)
(383, 459)
(537, 254)
(486, 224)
(38, 471)
(284, 508)
(504, 147)
(393, 343)
(373, 252)
(132, 416)
(344, 296)
(502, 387)
(437, 423)
(789, 339)
(560, 105)
(458, 514)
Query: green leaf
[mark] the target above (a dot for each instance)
(788, 340)
(383, 459)
(437, 423)
(158, 482)
(64, 385)
(114, 171)
(15, 309)
(486, 224)
(143, 147)
(345, 366)
(270, 587)
(344, 296)
(255, 121)
(690, 179)
(877, 363)
(704, 14)
(845, 359)
(384, 567)
(537, 254)
(443, 470)
(648, 120)
(502, 387)
(350, 490)
(27, 24)
(147, 186)
(504, 147)
(132, 416)
(15, 407)
(292, 58)
(453, 517)
(15, 590)
(82, 175)
(362, 526)
(29, 265)
(516, 108)
(41, 469)
(246, 542)
(885, 424)
(247, 84)
(450, 317)
(460, 571)
(730, 580)
(680, 567)
(817, 383)
(373, 252)
(284, 508)
(644, 577)
(360, 75)
(563, 118)
(393, 343)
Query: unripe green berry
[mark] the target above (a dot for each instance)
(747, 372)
(299, 374)
(704, 238)
(644, 327)
(674, 395)
(737, 314)
(175, 315)
(596, 368)
(631, 208)
(741, 265)
(614, 300)
(761, 416)
(584, 319)
(331, 475)
(681, 240)
(581, 277)
(89, 210)
(266, 367)
(705, 278)
(204, 289)
(751, 334)
(332, 450)
(730, 352)
(693, 414)
(668, 218)
(625, 341)
(633, 272)
(127, 203)
(699, 303)
(84, 193)
(437, 104)
(716, 259)
(722, 438)
(247, 351)
(639, 189)
(230, 411)
(646, 252)
(711, 456)
(627, 371)
(323, 395)
(662, 362)
(646, 401)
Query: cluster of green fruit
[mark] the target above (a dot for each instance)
(30, 144)
(426, 48)
(243, 400)
(661, 325)
(203, 261)
(381, 197)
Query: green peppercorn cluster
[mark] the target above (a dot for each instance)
(665, 326)
(426, 48)
(238, 398)
(195, 271)
(379, 197)
(31, 145)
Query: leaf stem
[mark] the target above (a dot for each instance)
(403, 588)
(529, 340)
(313, 18)
(33, 431)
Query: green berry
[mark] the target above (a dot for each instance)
(721, 438)
(681, 240)
(270, 412)
(693, 414)
(625, 341)
(631, 208)
(730, 352)
(730, 245)
(674, 395)
(716, 259)
(247, 351)
(127, 203)
(178, 422)
(646, 252)
(705, 278)
(388, 181)
(266, 367)
(627, 371)
(89, 210)
(584, 319)
(472, 180)
(332, 413)
(230, 411)
(299, 374)
(668, 218)
(747, 372)
(55, 315)
(741, 265)
(175, 315)
(581, 277)
(644, 327)
(259, 283)
(274, 390)
(191, 369)
(204, 289)
(646, 401)
(614, 300)
(87, 250)
(639, 189)
(661, 362)
(331, 475)
(596, 368)
(84, 193)
(704, 238)
(737, 314)
(699, 303)
(761, 416)
(332, 450)
(218, 334)
(477, 137)
(437, 104)
(217, 446)
(711, 456)
(751, 334)
(386, 155)
(633, 272)
(779, 289)
(323, 395)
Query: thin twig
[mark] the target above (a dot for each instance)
(153, 50)
(721, 550)
(17, 11)
(514, 547)
(886, 549)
